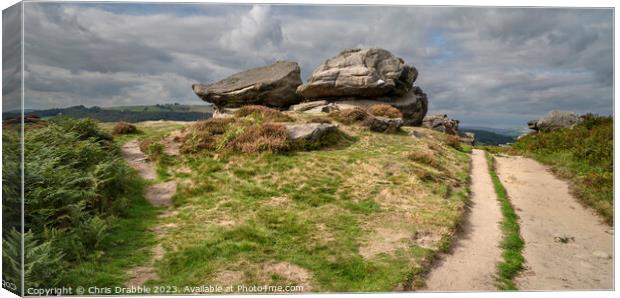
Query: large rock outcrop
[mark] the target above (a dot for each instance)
(554, 120)
(365, 73)
(447, 125)
(274, 86)
(364, 77)
(441, 122)
(412, 105)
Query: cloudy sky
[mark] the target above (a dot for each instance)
(495, 67)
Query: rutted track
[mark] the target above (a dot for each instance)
(471, 265)
(567, 246)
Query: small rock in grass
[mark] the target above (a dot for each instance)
(309, 131)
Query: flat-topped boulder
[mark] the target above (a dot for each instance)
(554, 120)
(274, 85)
(364, 73)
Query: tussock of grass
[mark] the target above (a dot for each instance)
(258, 138)
(453, 141)
(213, 126)
(512, 244)
(350, 116)
(262, 113)
(424, 157)
(153, 149)
(583, 154)
(124, 128)
(384, 110)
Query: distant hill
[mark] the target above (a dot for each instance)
(511, 132)
(485, 137)
(164, 108)
(173, 112)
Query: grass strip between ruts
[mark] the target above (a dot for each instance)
(512, 243)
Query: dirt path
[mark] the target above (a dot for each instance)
(137, 160)
(471, 266)
(567, 246)
(159, 195)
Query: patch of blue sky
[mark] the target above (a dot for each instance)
(438, 38)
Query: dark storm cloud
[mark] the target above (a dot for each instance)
(495, 67)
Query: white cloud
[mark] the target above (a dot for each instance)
(256, 30)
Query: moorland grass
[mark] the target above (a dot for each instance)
(315, 209)
(320, 210)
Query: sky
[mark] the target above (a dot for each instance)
(492, 67)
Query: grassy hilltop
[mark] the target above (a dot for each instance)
(366, 212)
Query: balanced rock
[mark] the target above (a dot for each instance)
(365, 73)
(554, 120)
(441, 123)
(272, 86)
(309, 131)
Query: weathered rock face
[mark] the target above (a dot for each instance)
(383, 124)
(272, 86)
(467, 138)
(412, 105)
(554, 120)
(441, 123)
(360, 73)
(309, 131)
